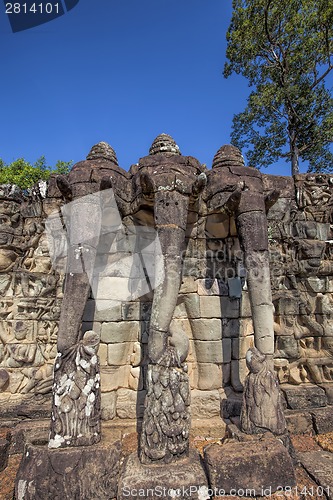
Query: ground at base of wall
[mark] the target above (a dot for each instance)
(314, 453)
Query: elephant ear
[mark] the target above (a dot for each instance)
(271, 198)
(64, 187)
(199, 184)
(146, 183)
(106, 183)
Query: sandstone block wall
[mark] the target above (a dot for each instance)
(213, 305)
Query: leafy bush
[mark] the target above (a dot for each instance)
(24, 174)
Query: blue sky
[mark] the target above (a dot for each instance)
(121, 71)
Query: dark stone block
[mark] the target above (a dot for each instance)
(88, 472)
(319, 465)
(323, 420)
(231, 408)
(27, 432)
(253, 467)
(140, 481)
(299, 422)
(304, 396)
(28, 406)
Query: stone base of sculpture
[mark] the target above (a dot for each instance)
(75, 419)
(185, 478)
(262, 401)
(258, 467)
(88, 472)
(166, 423)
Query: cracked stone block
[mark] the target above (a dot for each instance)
(252, 466)
(304, 396)
(319, 465)
(323, 420)
(88, 472)
(185, 478)
(299, 422)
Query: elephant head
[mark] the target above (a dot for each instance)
(238, 191)
(81, 187)
(167, 183)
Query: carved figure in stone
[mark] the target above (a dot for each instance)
(76, 415)
(15, 354)
(170, 183)
(10, 230)
(315, 363)
(37, 260)
(238, 191)
(262, 409)
(314, 196)
(295, 317)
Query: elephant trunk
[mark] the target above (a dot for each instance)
(170, 221)
(83, 223)
(252, 227)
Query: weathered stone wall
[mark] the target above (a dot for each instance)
(213, 306)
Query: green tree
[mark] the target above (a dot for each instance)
(24, 174)
(285, 50)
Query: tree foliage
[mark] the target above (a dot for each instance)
(285, 50)
(24, 174)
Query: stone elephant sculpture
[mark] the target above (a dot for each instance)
(169, 184)
(238, 190)
(76, 395)
(166, 183)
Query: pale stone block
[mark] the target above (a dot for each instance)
(211, 286)
(103, 354)
(241, 345)
(130, 403)
(246, 327)
(120, 288)
(207, 329)
(114, 377)
(108, 405)
(210, 306)
(102, 310)
(209, 376)
(205, 404)
(245, 306)
(123, 263)
(125, 331)
(192, 305)
(239, 372)
(189, 285)
(213, 351)
(120, 354)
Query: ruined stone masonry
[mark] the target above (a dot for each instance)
(202, 324)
